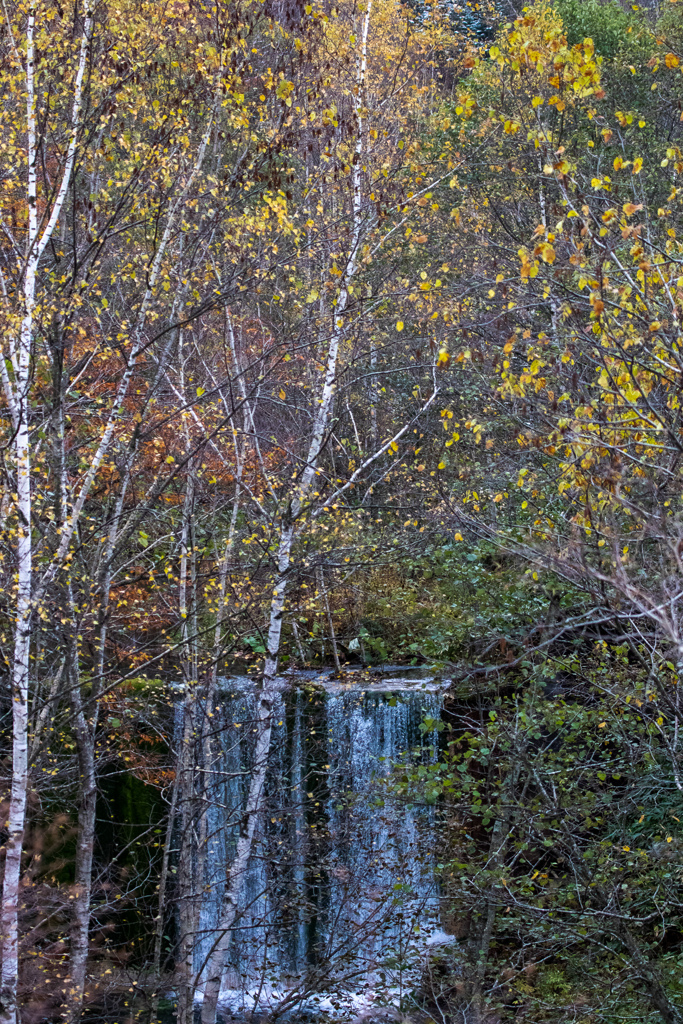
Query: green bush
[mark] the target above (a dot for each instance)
(607, 24)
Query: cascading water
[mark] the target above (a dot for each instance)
(340, 894)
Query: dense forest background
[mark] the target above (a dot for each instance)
(340, 335)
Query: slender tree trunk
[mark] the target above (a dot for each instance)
(373, 393)
(240, 454)
(297, 640)
(224, 573)
(238, 868)
(161, 900)
(85, 846)
(186, 888)
(216, 962)
(16, 817)
(330, 621)
(188, 640)
(188, 873)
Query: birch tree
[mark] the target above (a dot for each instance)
(345, 194)
(16, 360)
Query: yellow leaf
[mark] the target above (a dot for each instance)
(284, 91)
(457, 536)
(282, 394)
(399, 325)
(537, 101)
(671, 60)
(637, 165)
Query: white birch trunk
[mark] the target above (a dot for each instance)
(17, 395)
(85, 845)
(183, 578)
(190, 876)
(224, 573)
(16, 818)
(330, 621)
(238, 869)
(186, 876)
(240, 455)
(161, 903)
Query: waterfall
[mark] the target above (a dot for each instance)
(340, 895)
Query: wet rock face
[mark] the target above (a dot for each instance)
(340, 895)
